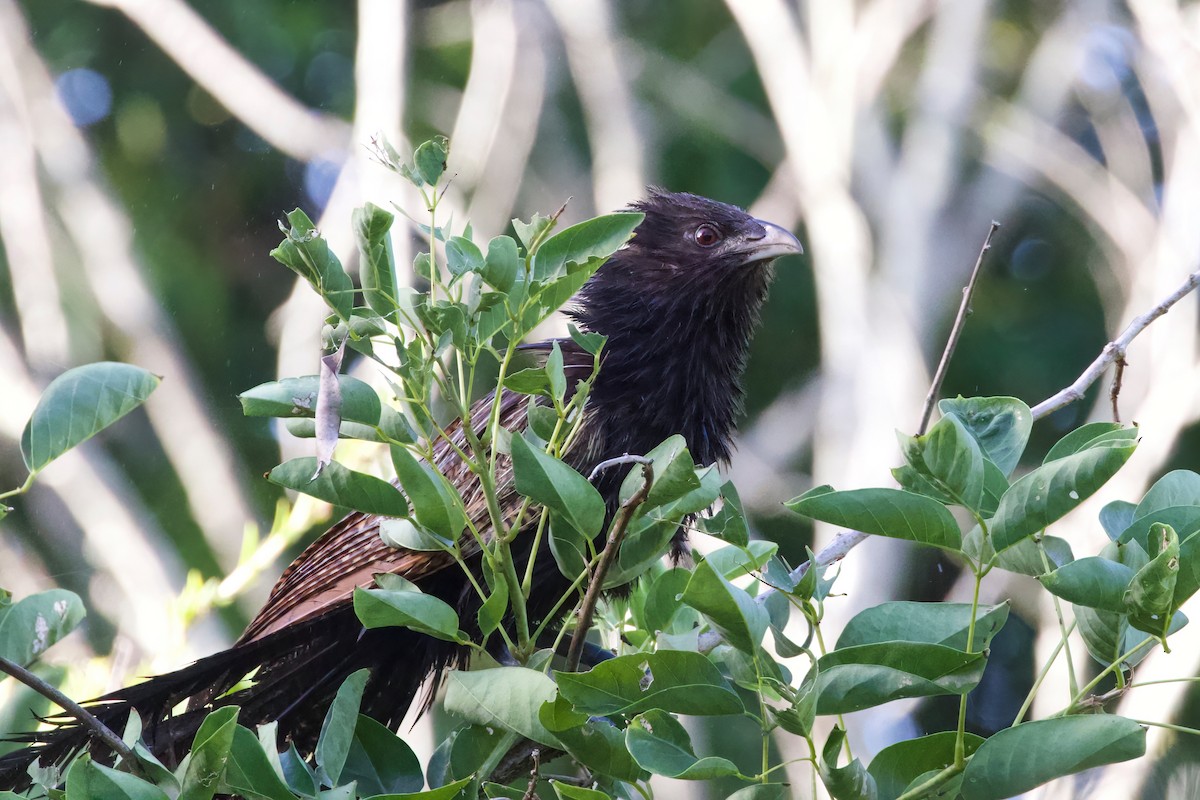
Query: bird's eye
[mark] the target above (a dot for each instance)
(707, 236)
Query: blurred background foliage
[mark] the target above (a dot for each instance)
(149, 148)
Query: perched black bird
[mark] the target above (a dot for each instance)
(678, 304)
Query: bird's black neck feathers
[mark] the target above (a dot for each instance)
(678, 320)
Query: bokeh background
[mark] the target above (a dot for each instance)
(148, 148)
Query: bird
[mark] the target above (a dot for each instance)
(678, 305)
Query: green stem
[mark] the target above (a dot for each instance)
(499, 751)
(553, 615)
(435, 275)
(928, 786)
(1037, 684)
(1169, 726)
(1086, 690)
(527, 581)
(1140, 684)
(1072, 683)
(24, 487)
(960, 740)
(516, 600)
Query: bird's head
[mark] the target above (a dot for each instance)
(678, 304)
(688, 235)
(690, 254)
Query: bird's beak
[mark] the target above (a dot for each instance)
(775, 241)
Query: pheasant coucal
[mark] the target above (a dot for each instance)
(678, 305)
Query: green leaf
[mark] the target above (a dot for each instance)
(407, 535)
(897, 766)
(1047, 493)
(868, 675)
(1185, 520)
(931, 623)
(430, 159)
(600, 746)
(763, 791)
(674, 474)
(650, 533)
(1025, 557)
(1018, 759)
(341, 486)
(952, 458)
(670, 680)
(1179, 487)
(502, 263)
(884, 512)
(1080, 438)
(87, 780)
(379, 761)
(533, 381)
(333, 745)
(305, 252)
(1116, 517)
(296, 771)
(508, 697)
(566, 791)
(451, 791)
(732, 561)
(569, 547)
(547, 480)
(554, 372)
(593, 343)
(435, 503)
(1000, 425)
(30, 626)
(530, 232)
(1151, 593)
(851, 782)
(377, 266)
(400, 603)
(249, 773)
(463, 256)
(596, 238)
(729, 522)
(491, 612)
(662, 603)
(740, 621)
(1093, 582)
(799, 718)
(80, 403)
(661, 745)
(297, 397)
(210, 752)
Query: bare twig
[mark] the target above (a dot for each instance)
(960, 321)
(85, 717)
(531, 790)
(1115, 392)
(1115, 350)
(616, 534)
(618, 461)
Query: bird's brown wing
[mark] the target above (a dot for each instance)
(351, 553)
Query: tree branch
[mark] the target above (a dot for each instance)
(616, 533)
(85, 717)
(960, 321)
(1115, 350)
